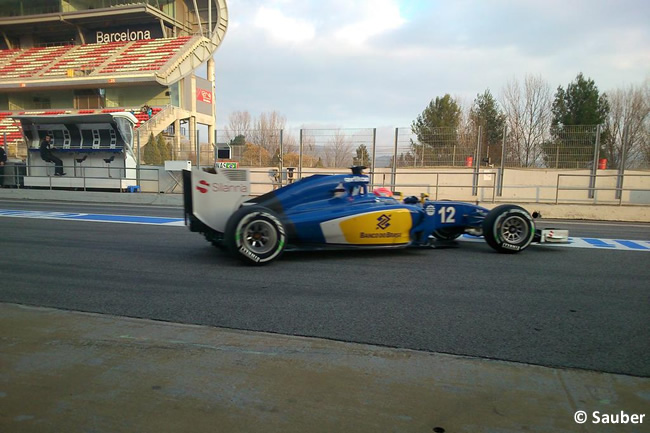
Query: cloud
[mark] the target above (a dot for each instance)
(282, 28)
(373, 18)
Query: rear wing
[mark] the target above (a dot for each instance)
(210, 197)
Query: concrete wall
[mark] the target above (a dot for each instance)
(519, 185)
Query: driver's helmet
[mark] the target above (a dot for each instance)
(382, 192)
(339, 191)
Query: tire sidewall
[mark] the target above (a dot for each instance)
(235, 234)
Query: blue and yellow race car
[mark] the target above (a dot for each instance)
(340, 211)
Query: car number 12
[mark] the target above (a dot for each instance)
(447, 214)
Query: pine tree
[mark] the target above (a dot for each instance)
(362, 157)
(487, 114)
(151, 151)
(576, 113)
(436, 129)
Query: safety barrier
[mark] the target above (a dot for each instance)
(487, 186)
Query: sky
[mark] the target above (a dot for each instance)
(378, 63)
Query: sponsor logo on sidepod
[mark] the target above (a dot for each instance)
(220, 187)
(201, 189)
(383, 222)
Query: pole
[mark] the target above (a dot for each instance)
(197, 147)
(621, 166)
(594, 165)
(374, 151)
(395, 160)
(300, 157)
(477, 164)
(137, 163)
(503, 162)
(281, 162)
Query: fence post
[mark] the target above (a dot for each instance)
(621, 167)
(374, 153)
(281, 159)
(300, 156)
(477, 164)
(394, 175)
(503, 163)
(197, 147)
(137, 165)
(594, 165)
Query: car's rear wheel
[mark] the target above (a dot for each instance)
(255, 235)
(509, 228)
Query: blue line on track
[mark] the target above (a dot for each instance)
(632, 244)
(132, 219)
(598, 243)
(609, 244)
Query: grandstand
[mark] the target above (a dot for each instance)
(75, 57)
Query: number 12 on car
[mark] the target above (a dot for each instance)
(447, 215)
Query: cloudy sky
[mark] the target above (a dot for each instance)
(378, 63)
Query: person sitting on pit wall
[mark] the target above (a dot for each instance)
(48, 156)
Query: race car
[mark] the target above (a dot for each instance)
(340, 211)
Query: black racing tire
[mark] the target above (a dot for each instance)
(255, 235)
(444, 234)
(509, 229)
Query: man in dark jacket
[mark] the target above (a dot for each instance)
(47, 156)
(3, 161)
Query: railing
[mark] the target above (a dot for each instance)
(456, 185)
(154, 122)
(618, 189)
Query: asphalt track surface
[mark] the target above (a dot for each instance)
(559, 307)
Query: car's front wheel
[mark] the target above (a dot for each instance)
(255, 235)
(509, 228)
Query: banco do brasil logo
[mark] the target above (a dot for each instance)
(383, 222)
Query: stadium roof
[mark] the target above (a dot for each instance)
(60, 26)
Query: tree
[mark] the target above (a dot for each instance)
(239, 124)
(528, 118)
(628, 124)
(164, 148)
(435, 129)
(576, 113)
(239, 140)
(151, 152)
(486, 114)
(267, 131)
(255, 156)
(362, 157)
(338, 151)
(580, 104)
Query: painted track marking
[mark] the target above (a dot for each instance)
(574, 242)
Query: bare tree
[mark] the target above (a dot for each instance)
(338, 151)
(239, 123)
(629, 109)
(267, 131)
(528, 119)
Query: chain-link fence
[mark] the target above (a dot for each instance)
(439, 147)
(307, 148)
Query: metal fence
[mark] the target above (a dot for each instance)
(561, 147)
(567, 147)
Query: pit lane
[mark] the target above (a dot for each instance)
(561, 307)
